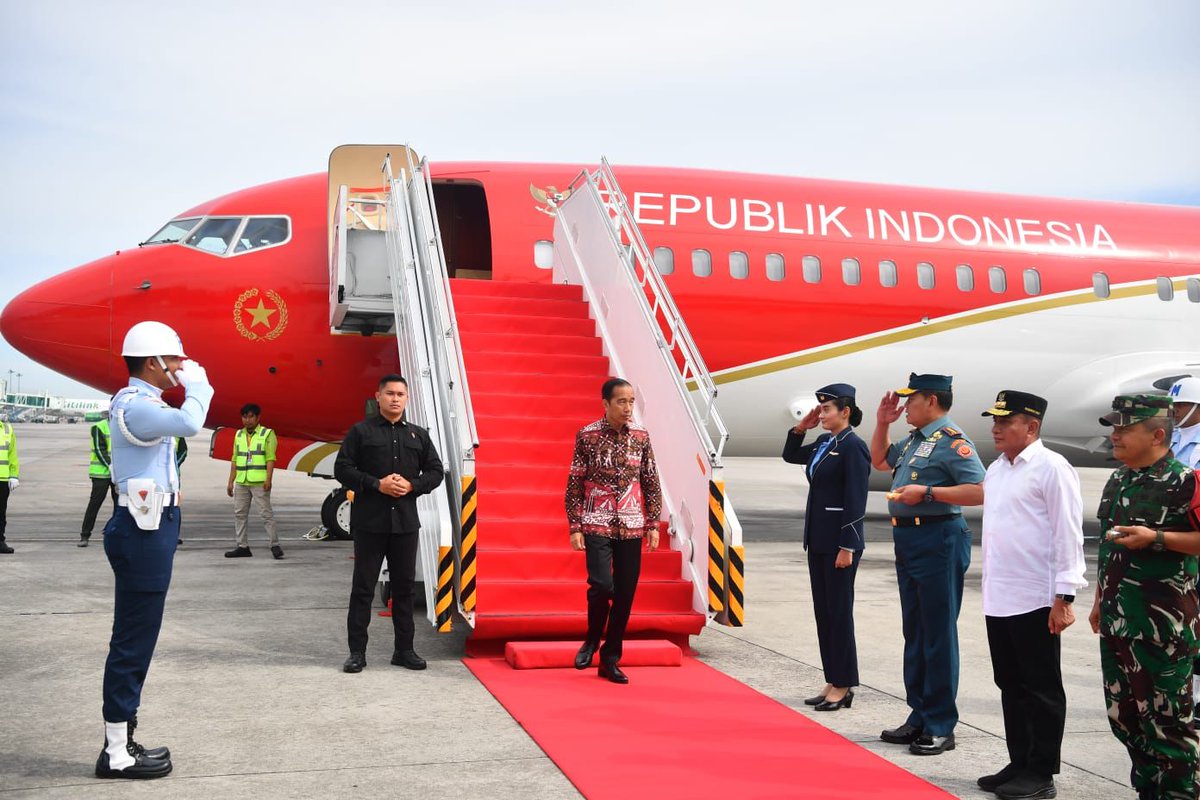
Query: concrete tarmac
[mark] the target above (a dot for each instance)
(246, 686)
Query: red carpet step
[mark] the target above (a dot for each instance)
(561, 655)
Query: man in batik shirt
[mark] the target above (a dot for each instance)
(613, 501)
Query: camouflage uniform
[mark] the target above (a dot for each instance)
(1148, 618)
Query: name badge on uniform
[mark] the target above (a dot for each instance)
(924, 449)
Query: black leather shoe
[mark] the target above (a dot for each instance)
(583, 659)
(1026, 786)
(239, 552)
(142, 768)
(989, 783)
(83, 542)
(905, 734)
(815, 701)
(836, 705)
(277, 551)
(5, 549)
(355, 662)
(927, 745)
(160, 753)
(613, 673)
(408, 659)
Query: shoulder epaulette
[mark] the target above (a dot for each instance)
(949, 431)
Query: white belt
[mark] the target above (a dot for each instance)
(169, 500)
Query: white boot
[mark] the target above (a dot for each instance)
(116, 745)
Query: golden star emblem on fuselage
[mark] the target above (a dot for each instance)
(260, 314)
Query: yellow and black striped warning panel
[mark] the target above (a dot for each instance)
(466, 581)
(737, 570)
(445, 588)
(716, 547)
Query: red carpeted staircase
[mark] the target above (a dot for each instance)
(535, 367)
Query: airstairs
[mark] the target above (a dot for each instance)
(535, 355)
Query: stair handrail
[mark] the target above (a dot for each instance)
(415, 344)
(676, 336)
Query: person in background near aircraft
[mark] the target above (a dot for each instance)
(838, 468)
(613, 500)
(935, 471)
(1185, 447)
(388, 463)
(10, 469)
(1145, 604)
(1033, 567)
(250, 475)
(140, 539)
(100, 473)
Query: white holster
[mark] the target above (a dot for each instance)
(145, 502)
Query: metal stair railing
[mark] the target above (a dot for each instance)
(597, 245)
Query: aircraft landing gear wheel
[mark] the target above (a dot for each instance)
(335, 514)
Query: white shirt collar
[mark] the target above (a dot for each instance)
(1031, 450)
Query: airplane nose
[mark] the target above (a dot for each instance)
(65, 323)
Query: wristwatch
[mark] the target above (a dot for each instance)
(1066, 598)
(929, 495)
(1159, 543)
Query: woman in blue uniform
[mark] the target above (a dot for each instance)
(837, 464)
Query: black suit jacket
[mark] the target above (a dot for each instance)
(837, 494)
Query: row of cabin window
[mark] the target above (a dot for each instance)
(964, 274)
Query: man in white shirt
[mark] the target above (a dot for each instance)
(1032, 568)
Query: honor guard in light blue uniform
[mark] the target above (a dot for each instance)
(935, 472)
(140, 538)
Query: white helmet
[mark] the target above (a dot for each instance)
(1186, 390)
(152, 339)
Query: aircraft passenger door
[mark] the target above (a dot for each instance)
(466, 229)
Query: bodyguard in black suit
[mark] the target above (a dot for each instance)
(838, 464)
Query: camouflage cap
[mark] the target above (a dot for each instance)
(1132, 408)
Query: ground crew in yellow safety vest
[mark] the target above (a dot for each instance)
(100, 471)
(250, 479)
(10, 468)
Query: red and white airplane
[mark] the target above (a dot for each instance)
(787, 284)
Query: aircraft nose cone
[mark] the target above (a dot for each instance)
(65, 323)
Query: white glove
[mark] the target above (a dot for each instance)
(190, 372)
(13, 483)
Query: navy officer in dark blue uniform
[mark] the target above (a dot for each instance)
(935, 471)
(838, 467)
(140, 538)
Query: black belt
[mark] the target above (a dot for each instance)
(924, 519)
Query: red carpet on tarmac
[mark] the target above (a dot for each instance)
(689, 732)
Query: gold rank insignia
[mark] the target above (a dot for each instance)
(935, 436)
(263, 320)
(913, 477)
(952, 431)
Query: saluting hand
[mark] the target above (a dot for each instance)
(809, 421)
(889, 409)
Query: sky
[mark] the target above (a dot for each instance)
(114, 117)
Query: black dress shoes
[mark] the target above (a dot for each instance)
(905, 734)
(836, 705)
(142, 768)
(239, 552)
(1027, 786)
(927, 745)
(355, 662)
(161, 753)
(408, 659)
(989, 783)
(583, 659)
(276, 551)
(815, 701)
(5, 549)
(83, 542)
(613, 673)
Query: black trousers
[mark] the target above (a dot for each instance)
(613, 566)
(1027, 669)
(100, 487)
(3, 506)
(369, 552)
(833, 607)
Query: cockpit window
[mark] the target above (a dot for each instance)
(215, 234)
(262, 232)
(173, 231)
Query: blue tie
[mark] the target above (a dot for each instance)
(821, 450)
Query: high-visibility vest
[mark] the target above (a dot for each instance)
(9, 468)
(250, 455)
(101, 458)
